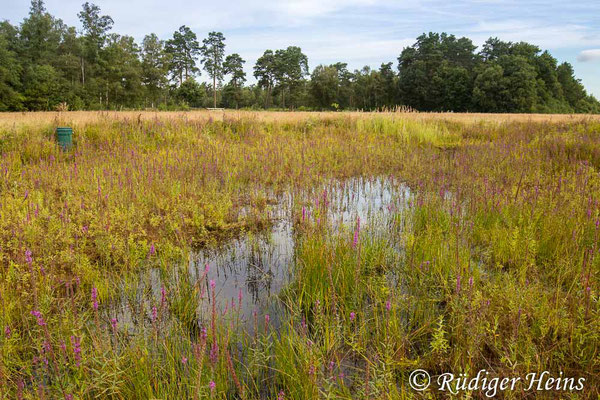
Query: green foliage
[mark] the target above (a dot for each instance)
(182, 50)
(47, 65)
(234, 67)
(485, 256)
(213, 51)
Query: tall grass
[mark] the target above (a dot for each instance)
(491, 262)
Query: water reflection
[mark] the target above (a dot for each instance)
(250, 271)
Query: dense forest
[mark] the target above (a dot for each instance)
(47, 65)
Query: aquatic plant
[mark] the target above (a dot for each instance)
(480, 251)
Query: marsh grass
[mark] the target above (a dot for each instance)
(489, 260)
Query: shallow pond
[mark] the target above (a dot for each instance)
(249, 271)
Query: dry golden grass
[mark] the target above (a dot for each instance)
(83, 117)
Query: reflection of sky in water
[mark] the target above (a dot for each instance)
(256, 265)
(259, 265)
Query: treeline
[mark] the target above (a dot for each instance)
(47, 65)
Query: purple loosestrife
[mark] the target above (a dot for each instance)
(214, 353)
(20, 387)
(212, 385)
(94, 298)
(152, 252)
(163, 296)
(352, 316)
(76, 343)
(154, 314)
(388, 305)
(7, 331)
(214, 308)
(458, 284)
(39, 318)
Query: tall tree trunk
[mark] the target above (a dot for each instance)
(268, 96)
(82, 72)
(215, 91)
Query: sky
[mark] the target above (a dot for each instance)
(358, 32)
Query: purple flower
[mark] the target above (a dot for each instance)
(355, 241)
(214, 353)
(281, 395)
(212, 385)
(152, 250)
(267, 319)
(38, 316)
(95, 298)
(76, 343)
(184, 360)
(388, 305)
(28, 257)
(471, 282)
(458, 284)
(7, 331)
(113, 323)
(163, 295)
(154, 313)
(206, 268)
(212, 284)
(352, 316)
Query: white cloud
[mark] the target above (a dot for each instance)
(545, 34)
(316, 8)
(589, 55)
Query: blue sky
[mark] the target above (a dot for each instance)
(359, 32)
